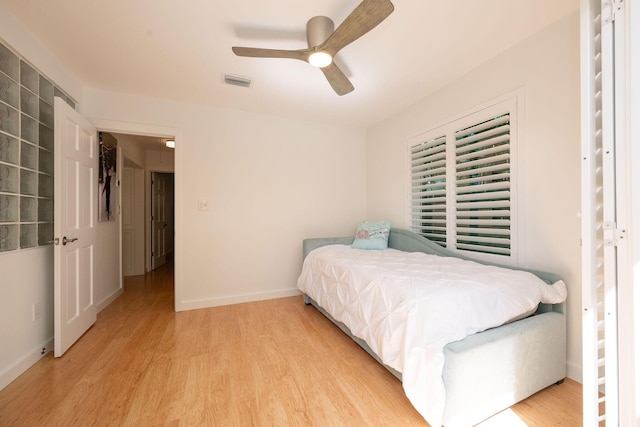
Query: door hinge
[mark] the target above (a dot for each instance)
(612, 234)
(610, 9)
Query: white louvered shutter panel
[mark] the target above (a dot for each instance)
(603, 208)
(483, 187)
(428, 189)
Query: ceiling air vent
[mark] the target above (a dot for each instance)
(230, 79)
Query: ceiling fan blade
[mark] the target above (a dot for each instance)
(338, 81)
(254, 52)
(365, 17)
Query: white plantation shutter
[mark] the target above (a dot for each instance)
(608, 335)
(483, 187)
(593, 250)
(461, 182)
(428, 189)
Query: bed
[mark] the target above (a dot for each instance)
(456, 379)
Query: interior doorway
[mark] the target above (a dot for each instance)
(145, 145)
(143, 159)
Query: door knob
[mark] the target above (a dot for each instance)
(65, 240)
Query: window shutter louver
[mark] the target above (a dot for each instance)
(483, 187)
(428, 189)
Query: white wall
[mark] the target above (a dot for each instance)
(270, 182)
(131, 149)
(159, 161)
(26, 278)
(108, 282)
(547, 67)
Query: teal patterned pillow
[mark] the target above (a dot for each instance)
(372, 235)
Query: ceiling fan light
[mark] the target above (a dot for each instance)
(320, 59)
(170, 143)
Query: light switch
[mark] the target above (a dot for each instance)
(203, 205)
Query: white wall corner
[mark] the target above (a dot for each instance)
(574, 371)
(25, 362)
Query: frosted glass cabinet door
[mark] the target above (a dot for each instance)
(29, 102)
(45, 162)
(28, 183)
(9, 149)
(46, 90)
(9, 179)
(29, 156)
(29, 128)
(8, 208)
(28, 209)
(45, 186)
(45, 137)
(45, 210)
(9, 91)
(8, 237)
(45, 233)
(28, 235)
(29, 77)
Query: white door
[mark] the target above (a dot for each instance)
(128, 222)
(75, 216)
(158, 219)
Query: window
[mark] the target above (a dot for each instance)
(462, 182)
(26, 153)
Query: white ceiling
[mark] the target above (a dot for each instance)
(179, 49)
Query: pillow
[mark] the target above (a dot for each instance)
(372, 235)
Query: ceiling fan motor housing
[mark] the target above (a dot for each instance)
(319, 28)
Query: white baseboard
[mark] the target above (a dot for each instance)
(25, 363)
(574, 372)
(235, 299)
(108, 300)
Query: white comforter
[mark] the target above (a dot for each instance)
(409, 306)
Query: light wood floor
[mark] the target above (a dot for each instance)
(269, 363)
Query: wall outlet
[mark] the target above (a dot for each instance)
(203, 205)
(37, 312)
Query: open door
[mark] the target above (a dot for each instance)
(75, 216)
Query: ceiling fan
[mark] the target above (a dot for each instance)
(324, 42)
